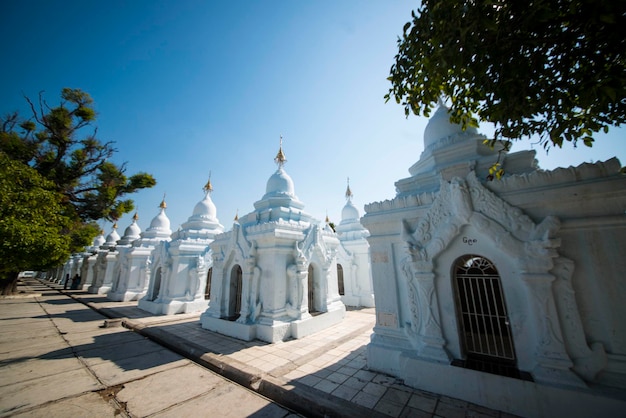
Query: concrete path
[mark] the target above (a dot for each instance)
(320, 375)
(57, 360)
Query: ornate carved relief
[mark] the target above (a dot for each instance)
(588, 362)
(538, 178)
(530, 246)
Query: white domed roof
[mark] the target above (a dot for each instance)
(159, 228)
(280, 184)
(113, 237)
(161, 221)
(349, 212)
(99, 240)
(205, 208)
(132, 231)
(439, 127)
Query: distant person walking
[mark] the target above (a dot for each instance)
(75, 282)
(67, 281)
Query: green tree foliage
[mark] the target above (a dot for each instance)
(77, 167)
(32, 222)
(552, 68)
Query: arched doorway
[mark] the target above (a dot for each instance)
(484, 328)
(157, 284)
(340, 280)
(207, 288)
(312, 297)
(234, 297)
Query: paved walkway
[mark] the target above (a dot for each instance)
(57, 361)
(320, 375)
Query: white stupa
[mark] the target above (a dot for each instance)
(353, 260)
(478, 281)
(104, 267)
(181, 267)
(135, 249)
(90, 257)
(274, 274)
(130, 279)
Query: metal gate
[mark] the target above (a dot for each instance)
(207, 288)
(312, 299)
(484, 324)
(234, 304)
(340, 280)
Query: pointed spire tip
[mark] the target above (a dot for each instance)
(280, 158)
(348, 191)
(208, 187)
(163, 205)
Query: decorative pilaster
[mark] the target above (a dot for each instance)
(427, 324)
(215, 304)
(553, 363)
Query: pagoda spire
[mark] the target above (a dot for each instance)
(208, 187)
(280, 158)
(163, 205)
(348, 191)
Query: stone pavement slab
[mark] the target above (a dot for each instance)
(220, 401)
(117, 372)
(88, 405)
(58, 361)
(156, 392)
(44, 389)
(20, 371)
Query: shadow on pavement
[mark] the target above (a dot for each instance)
(127, 350)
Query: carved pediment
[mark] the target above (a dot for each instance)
(466, 201)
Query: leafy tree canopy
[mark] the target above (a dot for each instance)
(79, 166)
(553, 68)
(56, 181)
(33, 224)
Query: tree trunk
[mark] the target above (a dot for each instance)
(8, 284)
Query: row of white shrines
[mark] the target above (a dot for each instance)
(507, 293)
(278, 274)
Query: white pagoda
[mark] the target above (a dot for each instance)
(353, 258)
(89, 261)
(508, 293)
(130, 278)
(181, 268)
(104, 266)
(274, 274)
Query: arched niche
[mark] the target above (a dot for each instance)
(234, 292)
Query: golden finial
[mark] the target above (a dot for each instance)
(237, 215)
(115, 225)
(135, 217)
(163, 205)
(348, 191)
(327, 219)
(208, 187)
(280, 158)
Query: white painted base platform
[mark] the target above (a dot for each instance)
(514, 396)
(172, 307)
(125, 296)
(98, 290)
(358, 301)
(276, 330)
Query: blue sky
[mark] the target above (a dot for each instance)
(185, 88)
